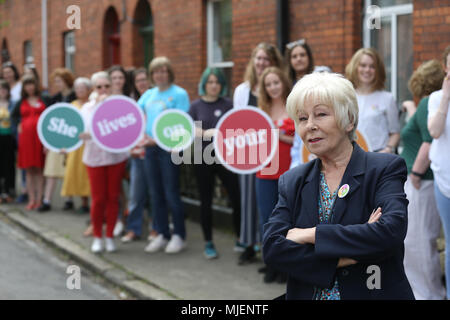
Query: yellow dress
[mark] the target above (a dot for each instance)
(76, 181)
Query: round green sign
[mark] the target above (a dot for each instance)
(173, 130)
(59, 127)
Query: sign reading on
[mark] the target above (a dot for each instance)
(246, 140)
(173, 130)
(59, 127)
(117, 124)
(361, 141)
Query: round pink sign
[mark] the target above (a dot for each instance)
(117, 124)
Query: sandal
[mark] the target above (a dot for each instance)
(88, 231)
(30, 205)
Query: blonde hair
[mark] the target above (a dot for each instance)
(330, 89)
(160, 62)
(275, 61)
(351, 70)
(426, 79)
(264, 100)
(445, 55)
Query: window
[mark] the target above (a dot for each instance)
(69, 50)
(394, 42)
(219, 36)
(28, 52)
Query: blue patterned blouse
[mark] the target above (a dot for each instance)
(327, 200)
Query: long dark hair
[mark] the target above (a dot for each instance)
(287, 55)
(134, 74)
(126, 90)
(9, 64)
(30, 79)
(5, 85)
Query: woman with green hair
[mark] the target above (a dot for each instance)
(206, 112)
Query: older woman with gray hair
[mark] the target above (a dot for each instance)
(341, 219)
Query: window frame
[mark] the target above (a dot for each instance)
(69, 50)
(210, 38)
(28, 52)
(393, 12)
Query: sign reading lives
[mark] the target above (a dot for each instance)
(246, 140)
(59, 127)
(117, 124)
(173, 130)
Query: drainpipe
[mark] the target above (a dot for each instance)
(44, 44)
(282, 24)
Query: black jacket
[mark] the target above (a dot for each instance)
(375, 180)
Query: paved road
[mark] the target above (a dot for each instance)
(29, 270)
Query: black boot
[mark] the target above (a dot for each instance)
(247, 256)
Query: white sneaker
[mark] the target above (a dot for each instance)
(157, 244)
(97, 245)
(176, 244)
(110, 246)
(118, 229)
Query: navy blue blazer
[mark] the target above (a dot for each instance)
(375, 180)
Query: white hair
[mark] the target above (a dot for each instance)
(330, 89)
(100, 75)
(83, 81)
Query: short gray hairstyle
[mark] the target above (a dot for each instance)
(330, 89)
(83, 81)
(99, 75)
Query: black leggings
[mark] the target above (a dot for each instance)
(205, 179)
(7, 165)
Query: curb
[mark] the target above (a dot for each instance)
(110, 272)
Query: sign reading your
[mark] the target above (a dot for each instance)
(246, 140)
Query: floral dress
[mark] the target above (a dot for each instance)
(325, 204)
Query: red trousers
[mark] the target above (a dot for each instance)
(105, 184)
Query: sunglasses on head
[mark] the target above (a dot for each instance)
(106, 86)
(293, 44)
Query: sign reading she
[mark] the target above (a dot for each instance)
(59, 127)
(173, 130)
(117, 124)
(246, 140)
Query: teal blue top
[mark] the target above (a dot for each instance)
(153, 102)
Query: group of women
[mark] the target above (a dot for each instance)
(268, 82)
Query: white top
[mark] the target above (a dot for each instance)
(241, 95)
(440, 148)
(93, 155)
(296, 152)
(16, 92)
(378, 117)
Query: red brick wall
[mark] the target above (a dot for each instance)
(21, 28)
(332, 29)
(254, 21)
(180, 33)
(431, 25)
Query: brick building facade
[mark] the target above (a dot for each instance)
(112, 31)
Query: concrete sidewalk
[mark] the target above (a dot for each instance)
(187, 275)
